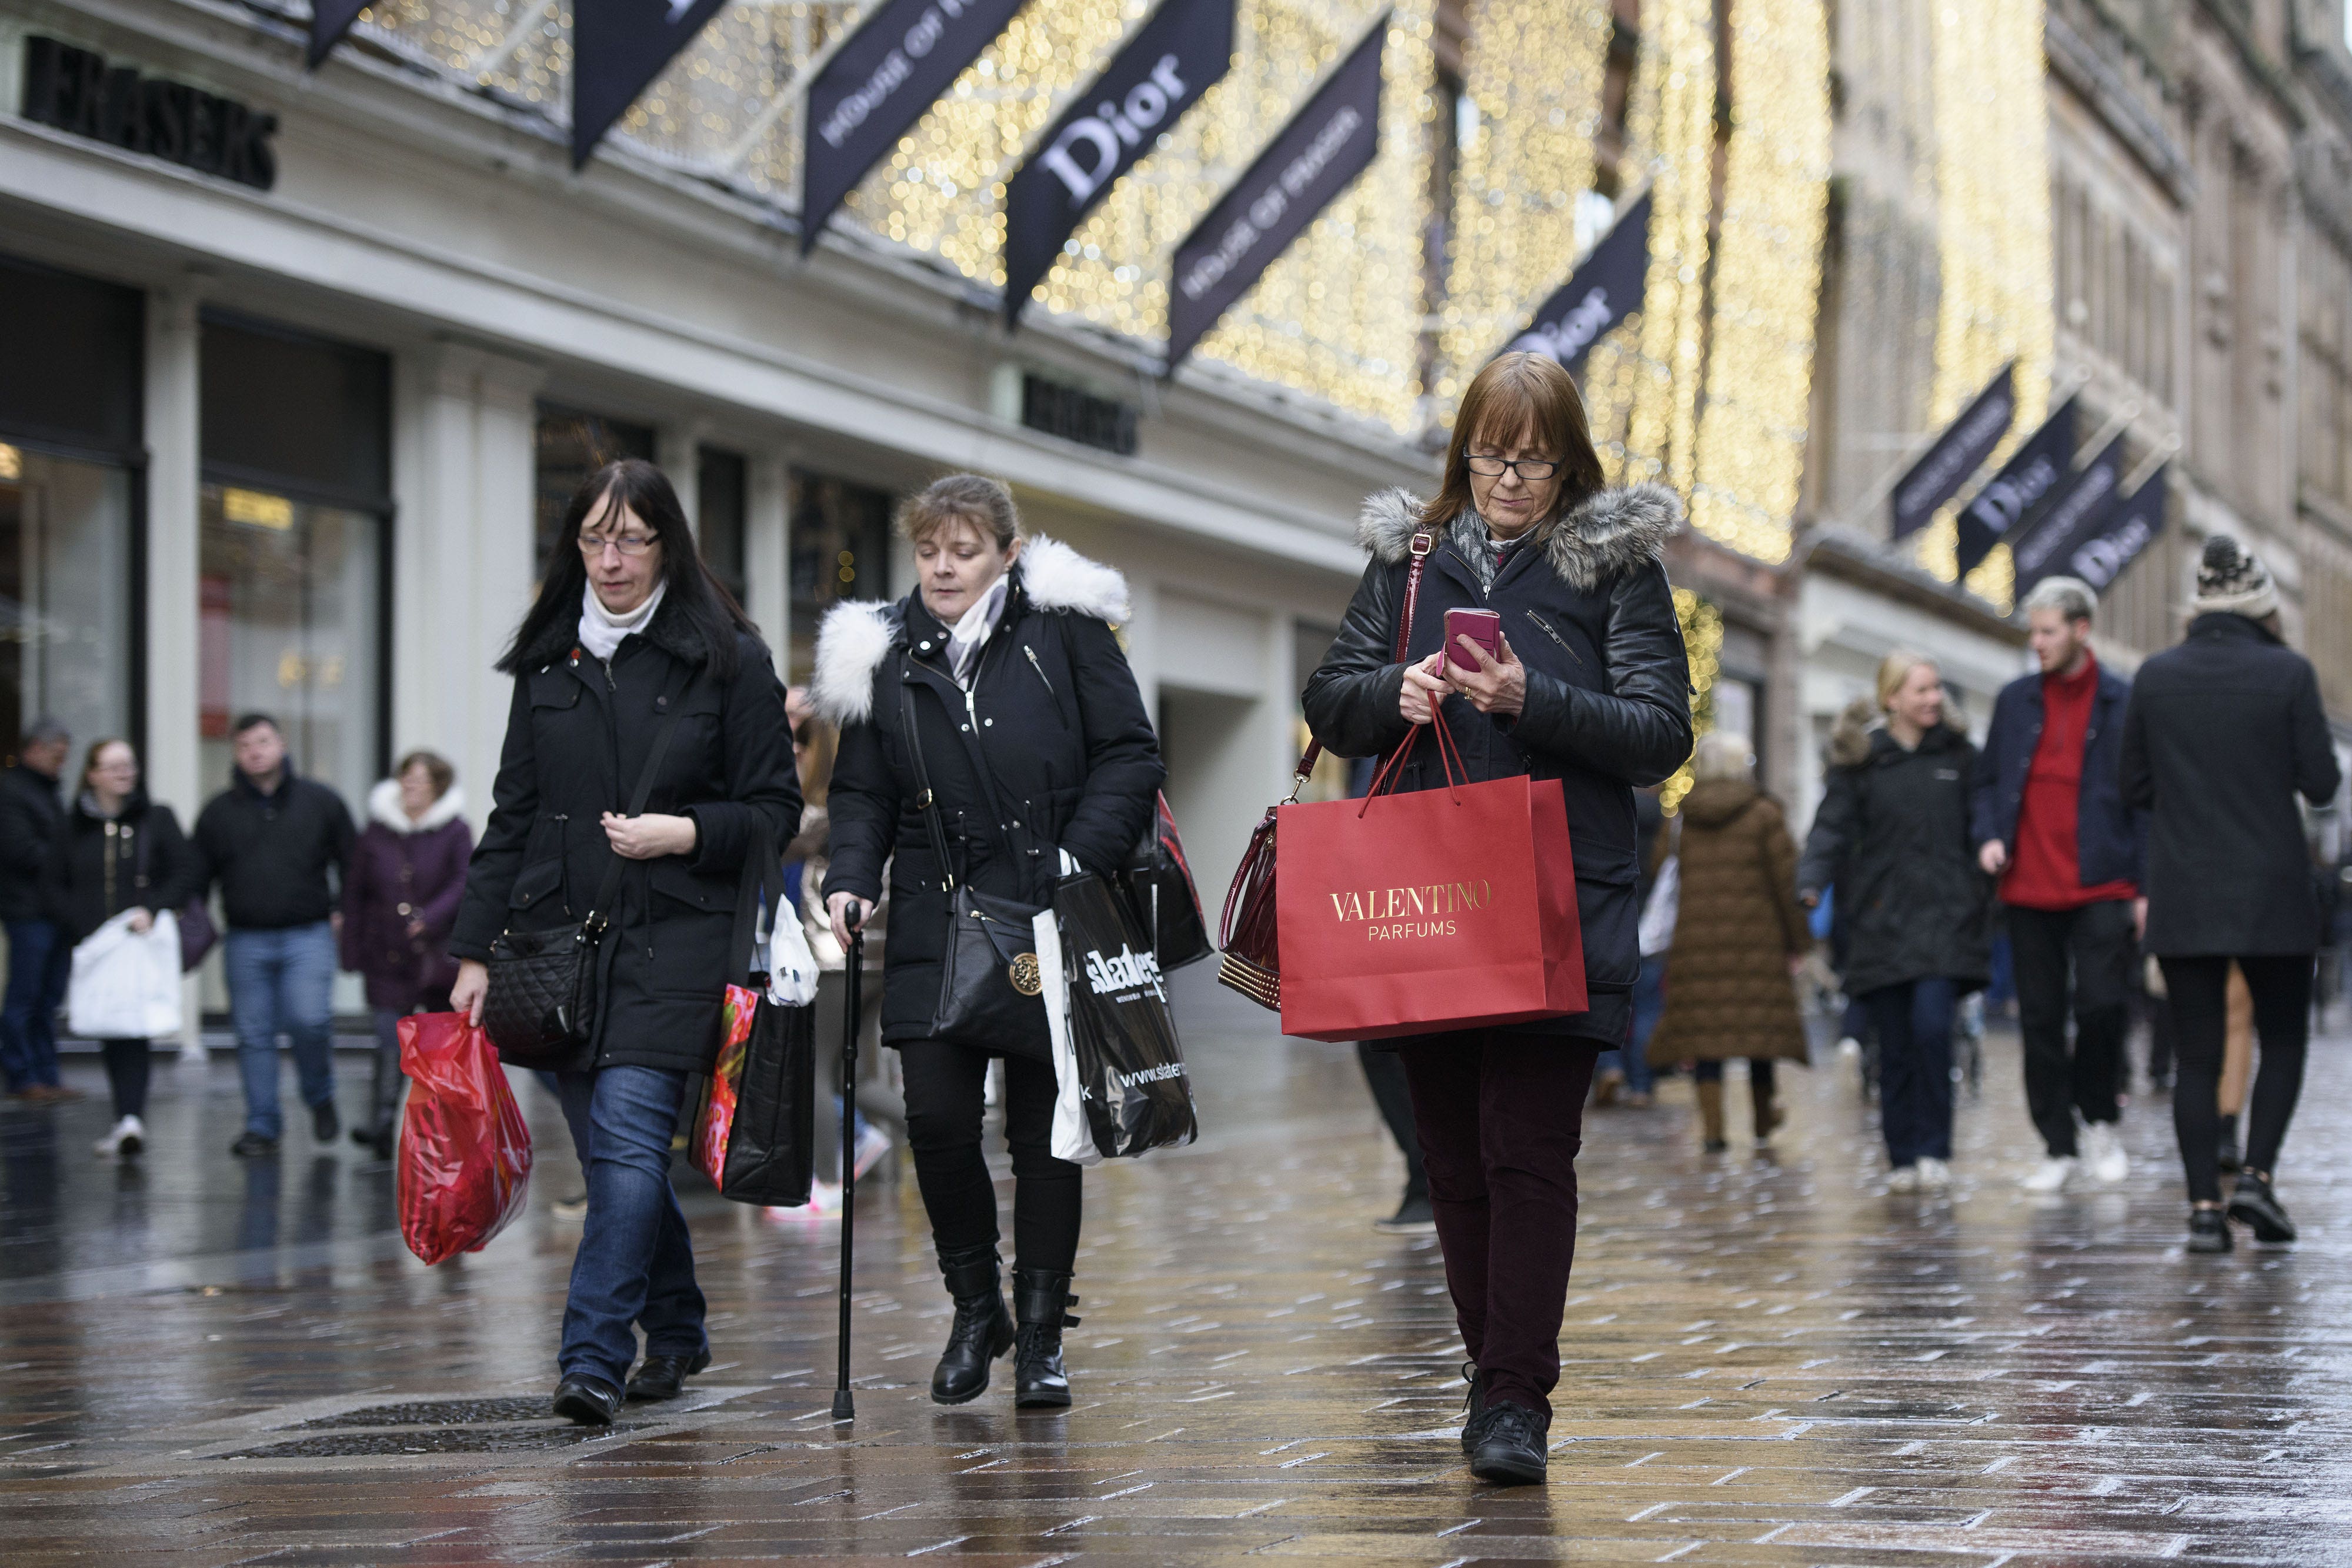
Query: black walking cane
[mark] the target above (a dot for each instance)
(845, 1405)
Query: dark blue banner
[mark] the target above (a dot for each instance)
(2131, 527)
(1332, 139)
(1601, 292)
(1958, 453)
(330, 20)
(2073, 514)
(619, 47)
(1179, 53)
(2011, 496)
(878, 84)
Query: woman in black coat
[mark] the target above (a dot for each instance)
(119, 850)
(631, 636)
(1004, 663)
(1592, 689)
(2222, 734)
(1891, 835)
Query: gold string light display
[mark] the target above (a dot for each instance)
(1675, 120)
(1702, 626)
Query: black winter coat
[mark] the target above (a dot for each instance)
(1054, 714)
(577, 734)
(1893, 836)
(30, 821)
(2110, 838)
(2224, 731)
(1587, 609)
(100, 868)
(273, 854)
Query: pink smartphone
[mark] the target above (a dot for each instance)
(1483, 627)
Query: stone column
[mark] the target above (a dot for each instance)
(767, 554)
(174, 654)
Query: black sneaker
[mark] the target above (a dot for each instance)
(2256, 1207)
(1413, 1217)
(1473, 1407)
(1510, 1450)
(2208, 1231)
(252, 1146)
(326, 1124)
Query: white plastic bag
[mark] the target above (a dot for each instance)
(792, 967)
(1073, 1139)
(126, 984)
(1664, 907)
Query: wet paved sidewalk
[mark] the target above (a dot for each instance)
(1766, 1362)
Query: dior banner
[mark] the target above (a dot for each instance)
(878, 84)
(2012, 496)
(330, 20)
(1183, 48)
(1331, 140)
(1603, 291)
(2074, 513)
(619, 47)
(1958, 453)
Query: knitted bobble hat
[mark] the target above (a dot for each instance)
(2230, 578)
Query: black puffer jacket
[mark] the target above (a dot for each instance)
(1052, 710)
(2222, 732)
(30, 821)
(1587, 609)
(144, 863)
(1891, 835)
(577, 736)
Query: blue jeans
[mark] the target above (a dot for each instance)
(1915, 1067)
(1649, 1006)
(635, 1262)
(40, 960)
(282, 983)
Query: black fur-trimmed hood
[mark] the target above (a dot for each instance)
(1610, 534)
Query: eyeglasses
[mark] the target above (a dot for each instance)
(1535, 471)
(593, 544)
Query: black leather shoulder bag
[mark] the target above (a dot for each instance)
(547, 987)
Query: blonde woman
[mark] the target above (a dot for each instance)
(1892, 834)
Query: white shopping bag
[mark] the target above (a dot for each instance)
(126, 984)
(792, 967)
(1073, 1139)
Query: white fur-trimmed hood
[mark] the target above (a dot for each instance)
(854, 638)
(1610, 532)
(384, 808)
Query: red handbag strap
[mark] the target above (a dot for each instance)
(1424, 541)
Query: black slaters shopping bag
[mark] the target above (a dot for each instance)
(1121, 1030)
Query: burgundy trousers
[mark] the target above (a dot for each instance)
(1501, 1117)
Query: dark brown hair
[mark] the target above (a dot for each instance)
(437, 768)
(89, 758)
(1519, 391)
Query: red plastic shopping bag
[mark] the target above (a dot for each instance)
(465, 1152)
(716, 1121)
(1439, 909)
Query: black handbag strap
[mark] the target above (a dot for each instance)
(748, 894)
(926, 803)
(674, 700)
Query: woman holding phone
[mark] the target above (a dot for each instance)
(1544, 637)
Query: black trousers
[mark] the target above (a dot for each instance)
(2082, 957)
(126, 1075)
(1760, 1072)
(2199, 990)
(1384, 1071)
(944, 1086)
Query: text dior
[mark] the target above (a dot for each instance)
(1110, 128)
(1421, 910)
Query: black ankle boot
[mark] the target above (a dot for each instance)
(983, 1331)
(1042, 1299)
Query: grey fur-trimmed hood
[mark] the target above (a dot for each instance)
(854, 638)
(1610, 534)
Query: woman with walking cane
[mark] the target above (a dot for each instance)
(646, 755)
(988, 721)
(1587, 683)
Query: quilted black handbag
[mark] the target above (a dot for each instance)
(546, 985)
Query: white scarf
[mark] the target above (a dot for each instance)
(969, 633)
(601, 630)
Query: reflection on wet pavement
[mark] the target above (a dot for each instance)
(1765, 1362)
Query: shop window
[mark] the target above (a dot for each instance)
(720, 482)
(293, 537)
(69, 362)
(572, 444)
(840, 550)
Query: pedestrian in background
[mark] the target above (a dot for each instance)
(2222, 732)
(631, 648)
(400, 901)
(119, 851)
(1892, 836)
(40, 960)
(1740, 938)
(1624, 1077)
(1591, 687)
(2050, 822)
(1001, 669)
(278, 844)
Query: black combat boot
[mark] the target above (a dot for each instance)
(983, 1331)
(1042, 1299)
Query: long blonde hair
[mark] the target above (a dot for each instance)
(1895, 668)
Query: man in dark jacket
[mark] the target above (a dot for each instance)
(277, 845)
(2221, 734)
(2049, 820)
(39, 959)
